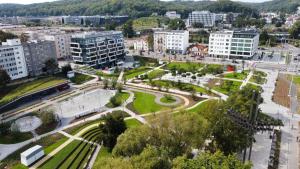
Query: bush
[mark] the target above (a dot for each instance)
(115, 101)
(48, 117)
(66, 68)
(5, 128)
(194, 77)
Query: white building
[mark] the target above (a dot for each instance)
(173, 15)
(31, 155)
(233, 44)
(175, 41)
(62, 44)
(141, 45)
(12, 59)
(207, 18)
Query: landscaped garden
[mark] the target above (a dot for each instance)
(184, 66)
(224, 86)
(259, 77)
(145, 103)
(168, 99)
(49, 143)
(177, 85)
(81, 78)
(10, 93)
(235, 75)
(156, 74)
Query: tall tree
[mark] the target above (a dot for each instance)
(176, 24)
(4, 78)
(50, 66)
(150, 41)
(6, 35)
(110, 129)
(128, 30)
(295, 30)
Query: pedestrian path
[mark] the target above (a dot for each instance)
(246, 81)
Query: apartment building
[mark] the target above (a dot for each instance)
(174, 42)
(12, 59)
(98, 49)
(36, 54)
(207, 18)
(173, 15)
(233, 44)
(96, 20)
(62, 44)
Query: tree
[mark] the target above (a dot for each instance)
(119, 87)
(4, 78)
(66, 68)
(48, 117)
(114, 83)
(50, 66)
(105, 83)
(198, 25)
(208, 160)
(24, 37)
(110, 129)
(128, 29)
(150, 41)
(110, 26)
(115, 101)
(176, 24)
(295, 30)
(6, 35)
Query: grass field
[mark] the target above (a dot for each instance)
(136, 72)
(29, 87)
(104, 153)
(235, 75)
(61, 155)
(156, 74)
(145, 103)
(105, 75)
(49, 143)
(227, 87)
(145, 23)
(81, 78)
(132, 123)
(201, 107)
(120, 97)
(185, 66)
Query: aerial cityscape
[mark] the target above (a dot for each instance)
(150, 84)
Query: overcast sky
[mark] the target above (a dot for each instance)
(38, 1)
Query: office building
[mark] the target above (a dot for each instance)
(12, 59)
(173, 15)
(233, 44)
(96, 20)
(36, 54)
(174, 42)
(98, 49)
(205, 17)
(62, 44)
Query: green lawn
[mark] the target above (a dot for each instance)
(54, 161)
(136, 72)
(105, 75)
(145, 103)
(81, 78)
(49, 143)
(75, 129)
(201, 107)
(132, 123)
(258, 77)
(156, 74)
(29, 87)
(185, 66)
(235, 75)
(228, 87)
(145, 23)
(120, 97)
(102, 154)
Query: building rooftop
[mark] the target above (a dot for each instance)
(31, 150)
(96, 34)
(171, 31)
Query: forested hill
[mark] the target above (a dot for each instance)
(139, 8)
(288, 6)
(133, 8)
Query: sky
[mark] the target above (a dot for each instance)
(38, 1)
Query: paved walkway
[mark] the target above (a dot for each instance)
(289, 147)
(245, 82)
(120, 78)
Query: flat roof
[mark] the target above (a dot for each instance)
(96, 34)
(31, 150)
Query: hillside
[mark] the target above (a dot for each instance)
(288, 6)
(133, 8)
